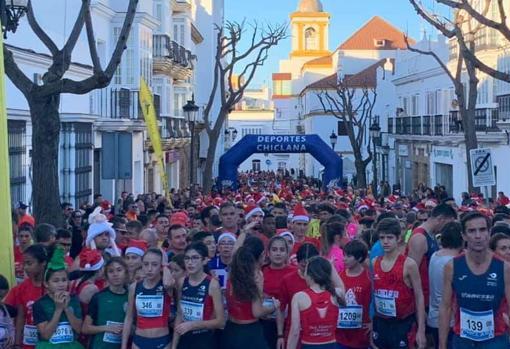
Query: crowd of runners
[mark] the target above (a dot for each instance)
(276, 264)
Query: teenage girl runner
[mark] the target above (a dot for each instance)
(244, 299)
(149, 303)
(57, 315)
(278, 267)
(200, 306)
(105, 323)
(354, 325)
(23, 296)
(315, 310)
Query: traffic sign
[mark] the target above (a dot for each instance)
(481, 167)
(268, 162)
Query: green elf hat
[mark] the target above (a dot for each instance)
(57, 261)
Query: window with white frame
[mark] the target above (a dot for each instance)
(179, 32)
(126, 71)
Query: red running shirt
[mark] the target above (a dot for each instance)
(392, 297)
(25, 295)
(273, 280)
(314, 328)
(237, 309)
(358, 291)
(292, 283)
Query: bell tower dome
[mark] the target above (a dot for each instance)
(310, 30)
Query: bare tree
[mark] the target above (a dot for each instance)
(353, 102)
(468, 11)
(463, 29)
(230, 59)
(43, 100)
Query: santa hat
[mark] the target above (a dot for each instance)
(227, 236)
(251, 210)
(91, 260)
(217, 201)
(138, 247)
(300, 214)
(179, 218)
(289, 234)
(430, 203)
(106, 205)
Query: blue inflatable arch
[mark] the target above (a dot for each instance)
(252, 144)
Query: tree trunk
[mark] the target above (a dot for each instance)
(468, 122)
(361, 173)
(45, 141)
(209, 162)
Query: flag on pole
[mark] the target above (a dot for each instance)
(7, 250)
(151, 121)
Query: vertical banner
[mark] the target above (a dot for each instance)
(149, 114)
(7, 250)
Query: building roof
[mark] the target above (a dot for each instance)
(365, 78)
(324, 60)
(306, 6)
(376, 29)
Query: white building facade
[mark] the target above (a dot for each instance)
(168, 46)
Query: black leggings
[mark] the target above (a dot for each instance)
(270, 332)
(203, 340)
(250, 336)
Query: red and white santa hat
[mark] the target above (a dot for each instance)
(91, 260)
(251, 210)
(285, 233)
(227, 235)
(138, 247)
(300, 214)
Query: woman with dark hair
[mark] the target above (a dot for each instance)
(149, 304)
(200, 304)
(106, 323)
(23, 296)
(315, 310)
(245, 299)
(335, 232)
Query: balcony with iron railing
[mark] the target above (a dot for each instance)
(120, 103)
(172, 59)
(441, 125)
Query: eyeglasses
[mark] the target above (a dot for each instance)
(193, 259)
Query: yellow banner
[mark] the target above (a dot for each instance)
(151, 121)
(7, 249)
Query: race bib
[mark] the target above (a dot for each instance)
(385, 306)
(350, 317)
(112, 337)
(30, 335)
(476, 325)
(192, 311)
(149, 305)
(268, 303)
(63, 334)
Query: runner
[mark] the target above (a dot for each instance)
(500, 245)
(398, 298)
(23, 296)
(91, 273)
(335, 232)
(451, 246)
(200, 306)
(219, 264)
(423, 244)
(299, 226)
(7, 315)
(207, 239)
(274, 272)
(315, 310)
(476, 290)
(133, 256)
(57, 315)
(354, 327)
(245, 299)
(149, 303)
(24, 237)
(229, 218)
(107, 308)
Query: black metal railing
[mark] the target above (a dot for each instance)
(455, 122)
(391, 123)
(175, 128)
(164, 47)
(416, 125)
(503, 107)
(438, 125)
(407, 125)
(427, 125)
(400, 126)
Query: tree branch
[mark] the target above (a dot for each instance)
(91, 39)
(39, 32)
(17, 77)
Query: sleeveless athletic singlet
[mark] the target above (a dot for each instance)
(196, 303)
(432, 246)
(392, 297)
(480, 300)
(152, 306)
(239, 310)
(314, 328)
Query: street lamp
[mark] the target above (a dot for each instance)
(375, 134)
(10, 13)
(190, 112)
(333, 138)
(230, 136)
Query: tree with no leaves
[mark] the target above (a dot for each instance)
(463, 27)
(234, 70)
(44, 100)
(352, 100)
